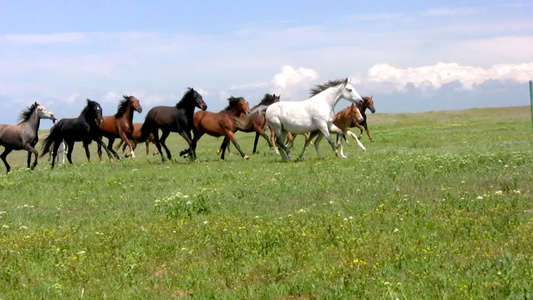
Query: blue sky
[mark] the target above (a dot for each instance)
(410, 55)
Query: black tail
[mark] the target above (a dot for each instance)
(146, 129)
(49, 140)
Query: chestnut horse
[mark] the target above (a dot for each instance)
(368, 102)
(24, 136)
(136, 138)
(219, 124)
(120, 125)
(258, 122)
(178, 118)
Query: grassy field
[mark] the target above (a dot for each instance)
(439, 207)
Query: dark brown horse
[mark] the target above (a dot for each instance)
(219, 124)
(24, 136)
(120, 125)
(257, 123)
(136, 137)
(368, 102)
(168, 119)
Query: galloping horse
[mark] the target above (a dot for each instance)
(24, 136)
(219, 124)
(258, 122)
(136, 137)
(120, 125)
(315, 113)
(84, 129)
(176, 118)
(342, 120)
(368, 102)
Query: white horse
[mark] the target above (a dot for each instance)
(315, 113)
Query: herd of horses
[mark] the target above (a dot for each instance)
(313, 117)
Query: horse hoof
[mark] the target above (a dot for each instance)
(245, 157)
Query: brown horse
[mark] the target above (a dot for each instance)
(257, 123)
(120, 125)
(24, 136)
(219, 124)
(368, 102)
(178, 118)
(136, 138)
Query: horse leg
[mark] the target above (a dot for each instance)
(317, 144)
(99, 151)
(325, 131)
(70, 149)
(87, 152)
(124, 138)
(4, 155)
(31, 151)
(186, 135)
(307, 142)
(158, 144)
(223, 147)
(280, 141)
(273, 140)
(368, 133)
(110, 142)
(231, 136)
(163, 139)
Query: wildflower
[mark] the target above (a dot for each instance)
(23, 227)
(499, 193)
(205, 222)
(396, 230)
(479, 198)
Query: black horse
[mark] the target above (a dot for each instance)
(176, 118)
(81, 129)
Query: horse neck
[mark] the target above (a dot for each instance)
(330, 96)
(188, 106)
(33, 122)
(234, 112)
(128, 112)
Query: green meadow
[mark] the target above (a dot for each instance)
(440, 206)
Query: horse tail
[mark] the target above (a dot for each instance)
(246, 122)
(146, 130)
(48, 141)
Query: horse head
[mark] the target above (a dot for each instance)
(369, 103)
(349, 93)
(43, 112)
(198, 100)
(134, 102)
(94, 111)
(238, 104)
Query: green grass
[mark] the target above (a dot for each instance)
(439, 207)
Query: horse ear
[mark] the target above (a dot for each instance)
(347, 80)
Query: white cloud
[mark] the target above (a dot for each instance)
(435, 76)
(291, 82)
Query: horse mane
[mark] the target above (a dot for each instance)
(86, 108)
(232, 102)
(25, 114)
(188, 93)
(267, 100)
(322, 87)
(122, 106)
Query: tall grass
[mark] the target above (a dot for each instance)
(440, 206)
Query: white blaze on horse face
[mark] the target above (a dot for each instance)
(359, 115)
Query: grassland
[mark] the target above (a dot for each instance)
(439, 207)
